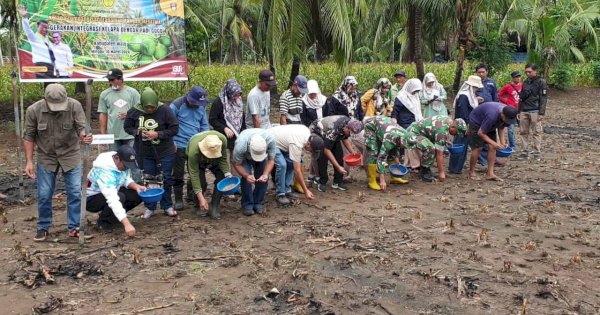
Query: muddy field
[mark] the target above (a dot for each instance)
(529, 245)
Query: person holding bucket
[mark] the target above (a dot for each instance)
(207, 150)
(254, 158)
(335, 131)
(154, 127)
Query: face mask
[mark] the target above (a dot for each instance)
(114, 87)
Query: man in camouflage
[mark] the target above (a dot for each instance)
(435, 132)
(383, 142)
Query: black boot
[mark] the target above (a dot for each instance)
(178, 192)
(426, 174)
(213, 208)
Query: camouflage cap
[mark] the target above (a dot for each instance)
(461, 125)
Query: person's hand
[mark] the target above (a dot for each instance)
(382, 182)
(479, 99)
(150, 134)
(228, 175)
(540, 118)
(342, 170)
(250, 179)
(129, 229)
(202, 201)
(87, 139)
(229, 133)
(442, 176)
(22, 11)
(500, 146)
(140, 188)
(29, 170)
(309, 194)
(122, 115)
(263, 179)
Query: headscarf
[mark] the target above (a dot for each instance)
(351, 101)
(317, 103)
(381, 98)
(428, 93)
(233, 111)
(355, 126)
(147, 98)
(469, 91)
(411, 102)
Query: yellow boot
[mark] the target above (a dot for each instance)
(297, 187)
(398, 180)
(372, 172)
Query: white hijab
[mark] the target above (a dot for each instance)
(317, 103)
(411, 102)
(428, 93)
(469, 91)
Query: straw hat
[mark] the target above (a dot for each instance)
(474, 81)
(211, 146)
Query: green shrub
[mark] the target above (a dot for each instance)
(596, 71)
(562, 77)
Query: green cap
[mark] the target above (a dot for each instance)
(461, 125)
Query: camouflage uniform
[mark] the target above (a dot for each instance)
(436, 129)
(383, 140)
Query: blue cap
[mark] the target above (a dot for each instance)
(302, 83)
(197, 96)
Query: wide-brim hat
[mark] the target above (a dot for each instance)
(211, 147)
(475, 81)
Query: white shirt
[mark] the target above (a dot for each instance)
(259, 103)
(39, 48)
(64, 59)
(291, 139)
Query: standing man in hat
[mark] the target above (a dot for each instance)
(483, 122)
(254, 158)
(207, 150)
(56, 126)
(111, 191)
(259, 102)
(401, 78)
(532, 108)
(190, 111)
(290, 102)
(113, 105)
(509, 95)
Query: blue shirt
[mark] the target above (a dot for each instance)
(487, 117)
(241, 151)
(192, 120)
(489, 91)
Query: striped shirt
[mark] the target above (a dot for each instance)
(291, 107)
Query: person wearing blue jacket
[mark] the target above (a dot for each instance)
(190, 111)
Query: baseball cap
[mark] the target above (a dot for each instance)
(268, 77)
(127, 155)
(302, 83)
(461, 125)
(114, 74)
(400, 73)
(316, 144)
(197, 96)
(515, 74)
(258, 148)
(211, 146)
(510, 113)
(56, 97)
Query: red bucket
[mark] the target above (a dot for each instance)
(353, 159)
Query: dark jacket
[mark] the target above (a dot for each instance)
(334, 107)
(309, 114)
(533, 96)
(403, 116)
(163, 121)
(216, 119)
(489, 91)
(463, 108)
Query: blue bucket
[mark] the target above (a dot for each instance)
(397, 170)
(152, 195)
(456, 148)
(505, 152)
(225, 185)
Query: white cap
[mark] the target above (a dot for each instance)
(258, 148)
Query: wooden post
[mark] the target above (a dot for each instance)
(18, 134)
(86, 155)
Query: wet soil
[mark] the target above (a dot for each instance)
(529, 245)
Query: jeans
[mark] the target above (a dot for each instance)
(254, 197)
(129, 198)
(512, 139)
(46, 182)
(284, 173)
(323, 163)
(457, 161)
(179, 173)
(150, 168)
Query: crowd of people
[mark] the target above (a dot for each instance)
(408, 122)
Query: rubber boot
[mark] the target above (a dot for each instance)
(372, 172)
(297, 187)
(178, 192)
(426, 174)
(213, 208)
(398, 180)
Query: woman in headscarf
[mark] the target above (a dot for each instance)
(345, 101)
(375, 101)
(433, 97)
(227, 113)
(154, 127)
(407, 110)
(464, 103)
(313, 103)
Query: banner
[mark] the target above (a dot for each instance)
(75, 40)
